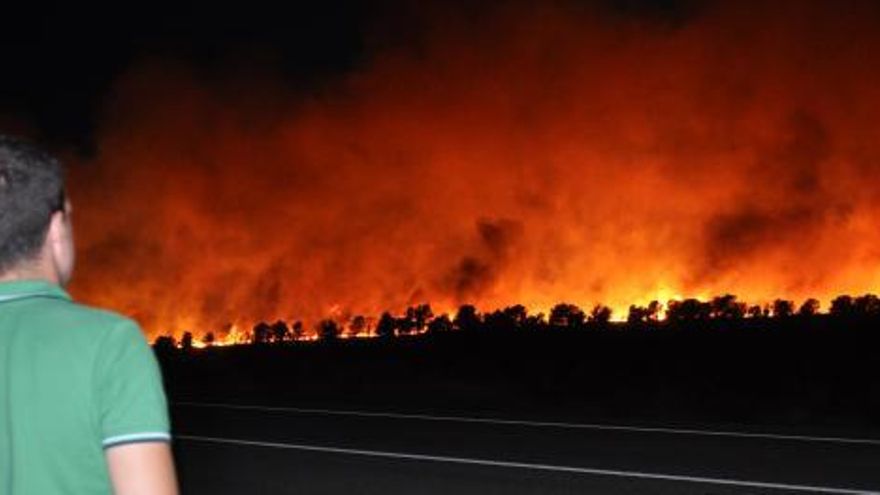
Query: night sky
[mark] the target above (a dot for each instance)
(60, 61)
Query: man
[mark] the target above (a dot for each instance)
(82, 409)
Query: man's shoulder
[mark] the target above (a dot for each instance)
(92, 321)
(79, 312)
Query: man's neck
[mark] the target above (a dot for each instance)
(30, 271)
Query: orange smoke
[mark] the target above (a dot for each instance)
(512, 155)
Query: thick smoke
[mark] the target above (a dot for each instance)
(518, 154)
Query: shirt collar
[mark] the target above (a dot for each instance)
(27, 288)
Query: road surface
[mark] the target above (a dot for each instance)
(234, 448)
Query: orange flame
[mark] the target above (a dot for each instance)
(522, 155)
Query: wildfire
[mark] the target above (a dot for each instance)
(232, 336)
(524, 154)
(420, 319)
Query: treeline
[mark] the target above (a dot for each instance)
(726, 310)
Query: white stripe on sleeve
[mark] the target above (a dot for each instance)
(150, 436)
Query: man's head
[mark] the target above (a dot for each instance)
(36, 238)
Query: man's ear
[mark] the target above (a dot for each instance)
(59, 249)
(56, 231)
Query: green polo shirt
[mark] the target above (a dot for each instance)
(73, 381)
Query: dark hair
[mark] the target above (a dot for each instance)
(31, 190)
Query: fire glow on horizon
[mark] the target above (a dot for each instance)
(527, 155)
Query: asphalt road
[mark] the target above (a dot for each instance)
(231, 450)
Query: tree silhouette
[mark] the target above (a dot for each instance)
(517, 314)
(497, 321)
(297, 331)
(759, 311)
(328, 330)
(783, 308)
(637, 315)
(843, 306)
(509, 319)
(279, 332)
(467, 319)
(387, 326)
(535, 323)
(566, 315)
(186, 341)
(688, 310)
(261, 333)
(654, 308)
(165, 345)
(726, 307)
(420, 319)
(358, 325)
(407, 324)
(441, 324)
(810, 307)
(600, 315)
(867, 306)
(420, 315)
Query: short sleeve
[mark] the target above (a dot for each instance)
(130, 398)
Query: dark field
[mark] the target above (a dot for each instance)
(814, 378)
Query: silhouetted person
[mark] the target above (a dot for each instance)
(82, 410)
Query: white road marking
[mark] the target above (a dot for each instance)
(542, 424)
(530, 466)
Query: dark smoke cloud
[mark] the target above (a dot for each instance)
(477, 273)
